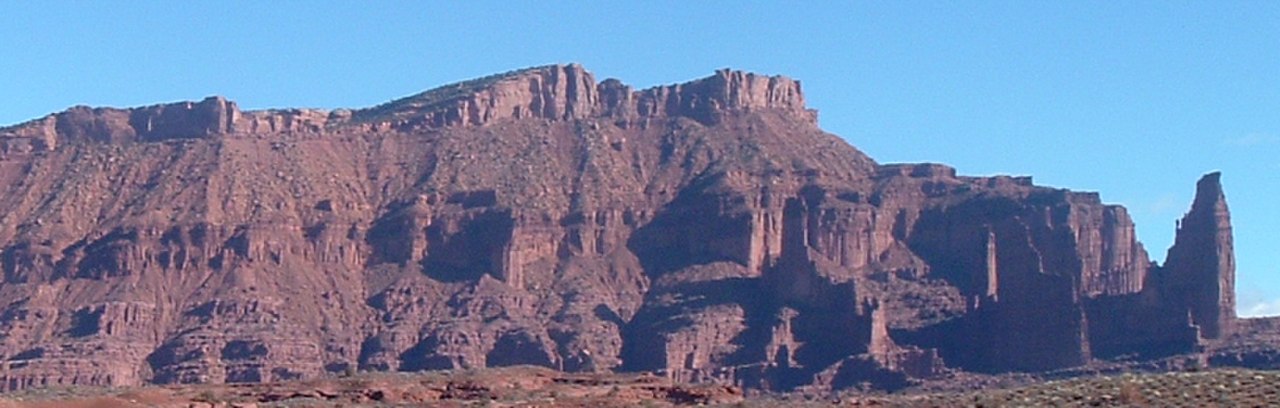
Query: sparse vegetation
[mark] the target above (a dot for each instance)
(1222, 387)
(529, 386)
(206, 396)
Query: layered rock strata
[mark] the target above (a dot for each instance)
(709, 231)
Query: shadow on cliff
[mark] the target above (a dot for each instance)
(457, 244)
(469, 250)
(693, 229)
(651, 335)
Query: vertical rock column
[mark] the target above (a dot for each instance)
(1202, 265)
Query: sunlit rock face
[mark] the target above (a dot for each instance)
(708, 231)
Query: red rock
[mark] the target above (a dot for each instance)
(1202, 265)
(709, 231)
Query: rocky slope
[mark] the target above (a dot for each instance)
(707, 231)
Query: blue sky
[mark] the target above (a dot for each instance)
(1132, 99)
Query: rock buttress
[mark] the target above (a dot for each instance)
(1200, 268)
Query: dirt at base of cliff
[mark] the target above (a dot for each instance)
(523, 386)
(532, 387)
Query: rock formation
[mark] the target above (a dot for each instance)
(1203, 243)
(707, 231)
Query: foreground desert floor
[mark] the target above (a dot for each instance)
(537, 387)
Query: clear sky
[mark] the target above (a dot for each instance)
(1133, 99)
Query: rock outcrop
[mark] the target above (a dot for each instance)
(1204, 243)
(708, 231)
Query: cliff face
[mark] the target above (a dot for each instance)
(1204, 243)
(708, 230)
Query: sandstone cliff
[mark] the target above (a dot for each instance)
(709, 231)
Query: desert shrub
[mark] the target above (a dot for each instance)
(206, 396)
(1131, 394)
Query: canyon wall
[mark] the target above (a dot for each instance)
(707, 231)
